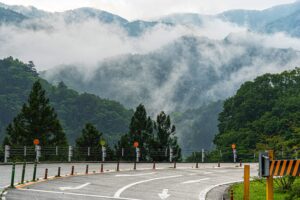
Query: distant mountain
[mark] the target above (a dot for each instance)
(183, 19)
(198, 127)
(83, 14)
(9, 16)
(184, 74)
(282, 18)
(257, 19)
(289, 25)
(28, 11)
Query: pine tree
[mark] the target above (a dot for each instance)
(140, 130)
(37, 120)
(165, 138)
(90, 137)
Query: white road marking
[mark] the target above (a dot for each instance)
(75, 188)
(207, 173)
(121, 190)
(221, 171)
(195, 181)
(164, 194)
(77, 194)
(202, 195)
(126, 175)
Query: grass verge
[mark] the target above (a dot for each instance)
(258, 191)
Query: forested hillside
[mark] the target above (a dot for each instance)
(264, 114)
(73, 109)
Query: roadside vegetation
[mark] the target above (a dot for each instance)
(286, 188)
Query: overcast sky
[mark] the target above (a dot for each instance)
(145, 9)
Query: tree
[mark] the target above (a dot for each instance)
(263, 114)
(165, 139)
(37, 119)
(140, 130)
(90, 137)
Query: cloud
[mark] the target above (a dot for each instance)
(90, 41)
(186, 73)
(145, 9)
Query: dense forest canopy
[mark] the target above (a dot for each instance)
(73, 109)
(264, 114)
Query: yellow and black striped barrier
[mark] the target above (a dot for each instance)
(285, 168)
(269, 168)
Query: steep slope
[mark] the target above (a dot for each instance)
(10, 17)
(182, 75)
(290, 25)
(263, 114)
(74, 109)
(256, 20)
(198, 127)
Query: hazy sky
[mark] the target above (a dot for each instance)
(132, 9)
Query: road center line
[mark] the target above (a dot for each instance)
(195, 181)
(121, 190)
(128, 175)
(77, 194)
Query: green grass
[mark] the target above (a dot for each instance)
(257, 191)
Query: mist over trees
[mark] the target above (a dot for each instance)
(73, 110)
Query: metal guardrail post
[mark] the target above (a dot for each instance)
(12, 185)
(58, 172)
(118, 166)
(87, 169)
(46, 174)
(72, 170)
(23, 173)
(34, 171)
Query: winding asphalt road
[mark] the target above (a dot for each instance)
(184, 183)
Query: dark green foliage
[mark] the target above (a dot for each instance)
(155, 138)
(264, 114)
(140, 130)
(90, 137)
(73, 109)
(165, 138)
(37, 120)
(294, 192)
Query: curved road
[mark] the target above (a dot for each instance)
(183, 183)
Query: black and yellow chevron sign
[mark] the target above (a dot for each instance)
(285, 168)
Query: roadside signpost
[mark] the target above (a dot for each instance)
(102, 143)
(171, 155)
(233, 146)
(6, 153)
(137, 151)
(36, 142)
(70, 153)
